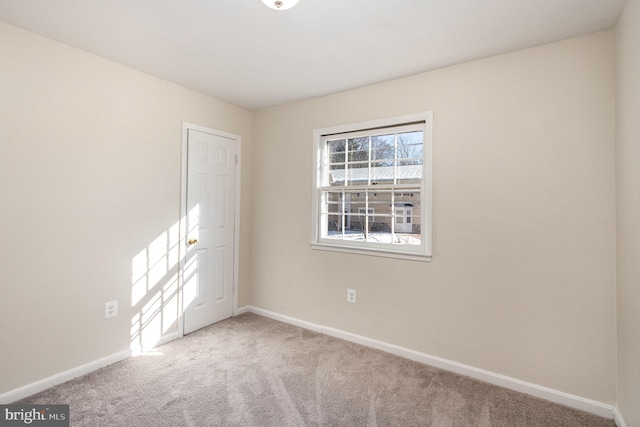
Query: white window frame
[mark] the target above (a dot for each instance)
(422, 252)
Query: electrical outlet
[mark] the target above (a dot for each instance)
(351, 296)
(110, 309)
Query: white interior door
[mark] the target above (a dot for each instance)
(208, 271)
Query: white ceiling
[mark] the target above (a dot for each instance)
(242, 52)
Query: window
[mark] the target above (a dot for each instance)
(363, 211)
(372, 189)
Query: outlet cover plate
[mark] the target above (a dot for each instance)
(351, 296)
(110, 309)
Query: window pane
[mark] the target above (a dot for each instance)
(336, 150)
(356, 222)
(363, 211)
(357, 202)
(408, 174)
(382, 141)
(333, 202)
(382, 148)
(410, 234)
(407, 197)
(358, 174)
(409, 152)
(380, 223)
(410, 145)
(357, 198)
(336, 153)
(404, 162)
(355, 227)
(382, 174)
(380, 201)
(414, 137)
(334, 196)
(399, 217)
(379, 161)
(379, 236)
(336, 175)
(407, 210)
(334, 226)
(357, 207)
(335, 208)
(359, 149)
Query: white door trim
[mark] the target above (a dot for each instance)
(183, 212)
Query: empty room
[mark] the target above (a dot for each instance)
(320, 212)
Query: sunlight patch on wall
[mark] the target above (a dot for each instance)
(154, 290)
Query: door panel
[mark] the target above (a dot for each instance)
(221, 262)
(208, 273)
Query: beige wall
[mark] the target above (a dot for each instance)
(522, 281)
(628, 211)
(89, 177)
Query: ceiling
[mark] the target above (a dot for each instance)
(244, 53)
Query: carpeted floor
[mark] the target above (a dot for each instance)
(253, 371)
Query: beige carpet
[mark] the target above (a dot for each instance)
(253, 371)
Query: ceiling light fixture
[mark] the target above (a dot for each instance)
(280, 4)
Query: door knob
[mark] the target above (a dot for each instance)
(193, 241)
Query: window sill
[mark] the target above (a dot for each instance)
(371, 252)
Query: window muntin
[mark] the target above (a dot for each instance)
(371, 189)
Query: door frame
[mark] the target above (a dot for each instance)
(186, 126)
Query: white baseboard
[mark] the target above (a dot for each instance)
(562, 398)
(139, 349)
(617, 417)
(41, 385)
(285, 319)
(168, 338)
(241, 310)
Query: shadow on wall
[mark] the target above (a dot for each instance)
(155, 284)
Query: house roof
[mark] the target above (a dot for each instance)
(384, 173)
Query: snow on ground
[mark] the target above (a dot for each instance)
(377, 237)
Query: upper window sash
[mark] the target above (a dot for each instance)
(374, 156)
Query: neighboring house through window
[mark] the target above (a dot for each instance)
(372, 190)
